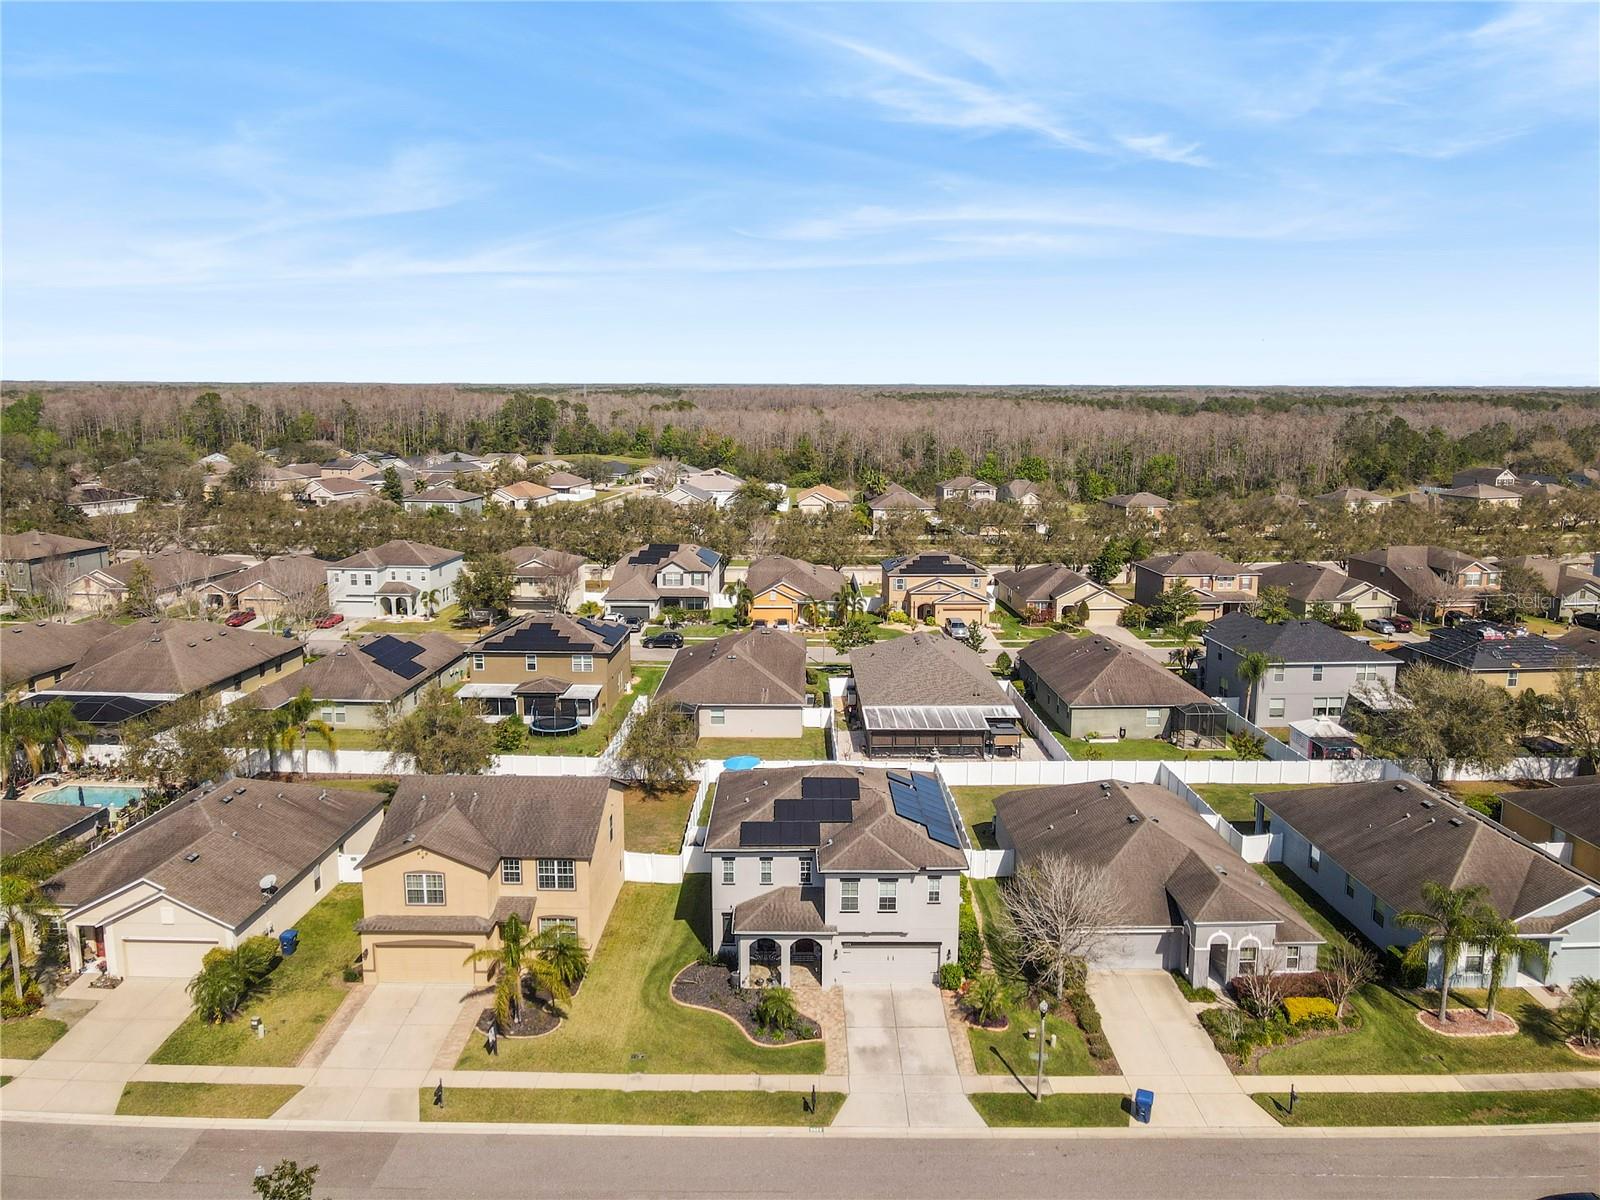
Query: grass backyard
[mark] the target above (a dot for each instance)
(1133, 750)
(624, 1018)
(1435, 1108)
(592, 741)
(977, 808)
(225, 1100)
(299, 997)
(29, 1037)
(654, 824)
(1011, 1110)
(812, 744)
(1236, 802)
(602, 1106)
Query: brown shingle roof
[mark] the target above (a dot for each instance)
(171, 569)
(172, 658)
(782, 910)
(401, 553)
(1192, 562)
(29, 651)
(35, 546)
(895, 498)
(809, 579)
(25, 823)
(755, 666)
(352, 674)
(1043, 582)
(286, 574)
(539, 562)
(1096, 672)
(1573, 807)
(924, 669)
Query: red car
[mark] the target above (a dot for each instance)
(1401, 624)
(243, 617)
(329, 621)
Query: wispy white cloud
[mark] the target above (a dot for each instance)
(1162, 146)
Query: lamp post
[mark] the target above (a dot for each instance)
(1038, 1079)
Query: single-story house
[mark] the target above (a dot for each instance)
(746, 684)
(821, 499)
(40, 654)
(783, 589)
(443, 499)
(523, 494)
(293, 586)
(926, 693)
(568, 486)
(1095, 686)
(170, 575)
(25, 824)
(93, 500)
(1053, 591)
(1140, 504)
(893, 502)
(1565, 818)
(1572, 584)
(357, 683)
(1354, 499)
(336, 489)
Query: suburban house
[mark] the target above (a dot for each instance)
(93, 500)
(169, 576)
(1367, 849)
(937, 586)
(1309, 584)
(821, 499)
(853, 873)
(458, 855)
(895, 502)
(568, 486)
(1354, 499)
(1581, 640)
(247, 858)
(966, 489)
(1023, 492)
(927, 694)
(40, 654)
(746, 684)
(25, 824)
(1571, 583)
(1428, 581)
(785, 589)
(712, 486)
(1186, 901)
(1500, 477)
(355, 685)
(336, 489)
(1095, 686)
(1502, 657)
(1480, 495)
(1053, 592)
(544, 579)
(397, 579)
(1140, 504)
(523, 494)
(1220, 586)
(291, 586)
(558, 670)
(142, 666)
(47, 564)
(665, 575)
(351, 466)
(1565, 819)
(443, 499)
(1313, 667)
(282, 480)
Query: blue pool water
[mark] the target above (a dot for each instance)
(92, 795)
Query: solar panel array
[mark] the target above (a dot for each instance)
(779, 833)
(829, 787)
(833, 808)
(653, 554)
(545, 635)
(919, 798)
(395, 655)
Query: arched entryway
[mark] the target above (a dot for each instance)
(806, 954)
(1217, 968)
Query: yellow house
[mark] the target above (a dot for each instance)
(551, 667)
(821, 499)
(1501, 657)
(458, 855)
(1220, 587)
(782, 589)
(1565, 817)
(936, 586)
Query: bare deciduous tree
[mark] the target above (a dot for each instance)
(560, 587)
(1346, 969)
(1264, 988)
(1061, 911)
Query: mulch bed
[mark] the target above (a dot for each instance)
(1583, 1051)
(1466, 1022)
(710, 985)
(531, 1021)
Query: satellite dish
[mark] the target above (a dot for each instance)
(268, 882)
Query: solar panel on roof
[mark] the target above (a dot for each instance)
(779, 833)
(919, 798)
(395, 656)
(829, 808)
(824, 787)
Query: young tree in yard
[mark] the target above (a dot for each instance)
(1579, 1016)
(1501, 943)
(1438, 716)
(975, 639)
(743, 598)
(1346, 969)
(1450, 919)
(560, 588)
(296, 723)
(1175, 605)
(486, 582)
(1322, 611)
(439, 736)
(22, 904)
(1575, 713)
(140, 599)
(559, 947)
(659, 750)
(287, 1181)
(1060, 911)
(1273, 606)
(392, 489)
(509, 735)
(182, 743)
(1264, 988)
(859, 630)
(1522, 593)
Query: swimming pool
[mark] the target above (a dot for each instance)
(92, 795)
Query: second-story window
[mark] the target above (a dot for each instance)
(424, 887)
(530, 662)
(557, 875)
(477, 662)
(766, 872)
(510, 870)
(888, 895)
(582, 663)
(850, 895)
(727, 871)
(935, 889)
(805, 872)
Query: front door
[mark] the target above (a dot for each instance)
(1219, 963)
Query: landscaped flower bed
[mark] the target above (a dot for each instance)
(535, 1015)
(710, 985)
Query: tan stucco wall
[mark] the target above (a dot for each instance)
(613, 673)
(775, 722)
(1585, 855)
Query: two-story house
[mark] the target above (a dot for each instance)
(937, 586)
(1571, 585)
(544, 579)
(1428, 581)
(47, 564)
(458, 855)
(893, 503)
(854, 873)
(1308, 584)
(665, 575)
(397, 579)
(1313, 667)
(784, 590)
(558, 671)
(1024, 493)
(1500, 656)
(968, 489)
(1220, 586)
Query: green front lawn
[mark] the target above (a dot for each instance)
(592, 740)
(1008, 1052)
(624, 1019)
(600, 1106)
(1435, 1108)
(300, 996)
(231, 1100)
(1014, 629)
(655, 824)
(29, 1037)
(444, 621)
(1010, 1110)
(1236, 802)
(812, 744)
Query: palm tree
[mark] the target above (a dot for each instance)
(21, 904)
(430, 601)
(60, 728)
(743, 598)
(294, 725)
(560, 948)
(1253, 668)
(1500, 941)
(21, 739)
(847, 603)
(1450, 918)
(513, 958)
(1579, 1016)
(811, 613)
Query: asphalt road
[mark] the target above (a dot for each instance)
(46, 1161)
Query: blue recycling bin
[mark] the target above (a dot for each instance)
(289, 941)
(1143, 1101)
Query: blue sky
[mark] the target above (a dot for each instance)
(1253, 193)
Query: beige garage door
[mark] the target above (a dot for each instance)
(871, 963)
(431, 963)
(162, 959)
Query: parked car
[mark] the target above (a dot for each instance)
(1587, 620)
(956, 628)
(1380, 625)
(667, 639)
(1401, 624)
(243, 617)
(330, 621)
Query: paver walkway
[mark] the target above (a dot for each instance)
(1160, 1046)
(902, 1069)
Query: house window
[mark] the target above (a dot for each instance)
(530, 662)
(766, 872)
(424, 887)
(717, 716)
(316, 879)
(1367, 674)
(611, 828)
(1291, 958)
(1377, 913)
(1472, 963)
(1247, 960)
(477, 662)
(935, 889)
(1327, 706)
(1275, 706)
(1349, 885)
(582, 664)
(1511, 679)
(899, 585)
(888, 895)
(547, 923)
(727, 871)
(1277, 674)
(1316, 673)
(557, 875)
(1152, 718)
(850, 895)
(510, 870)
(368, 581)
(1313, 858)
(805, 872)
(727, 928)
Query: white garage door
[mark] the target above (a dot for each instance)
(162, 959)
(887, 962)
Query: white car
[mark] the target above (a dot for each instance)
(956, 628)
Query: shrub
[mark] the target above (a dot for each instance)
(1246, 745)
(1195, 995)
(352, 974)
(11, 1007)
(227, 977)
(509, 735)
(1097, 1045)
(950, 976)
(1135, 616)
(1300, 1009)
(775, 1011)
(986, 998)
(969, 942)
(1002, 665)
(1285, 984)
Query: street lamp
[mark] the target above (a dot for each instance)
(1038, 1079)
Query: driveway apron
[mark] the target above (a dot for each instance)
(902, 1068)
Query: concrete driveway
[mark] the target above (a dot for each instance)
(902, 1067)
(383, 1057)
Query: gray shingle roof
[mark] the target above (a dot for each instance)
(755, 666)
(1096, 672)
(1309, 582)
(35, 546)
(1292, 641)
(350, 674)
(809, 579)
(29, 651)
(1042, 582)
(1192, 562)
(25, 823)
(895, 498)
(401, 553)
(924, 670)
(634, 577)
(782, 910)
(176, 568)
(1462, 646)
(172, 658)
(1574, 806)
